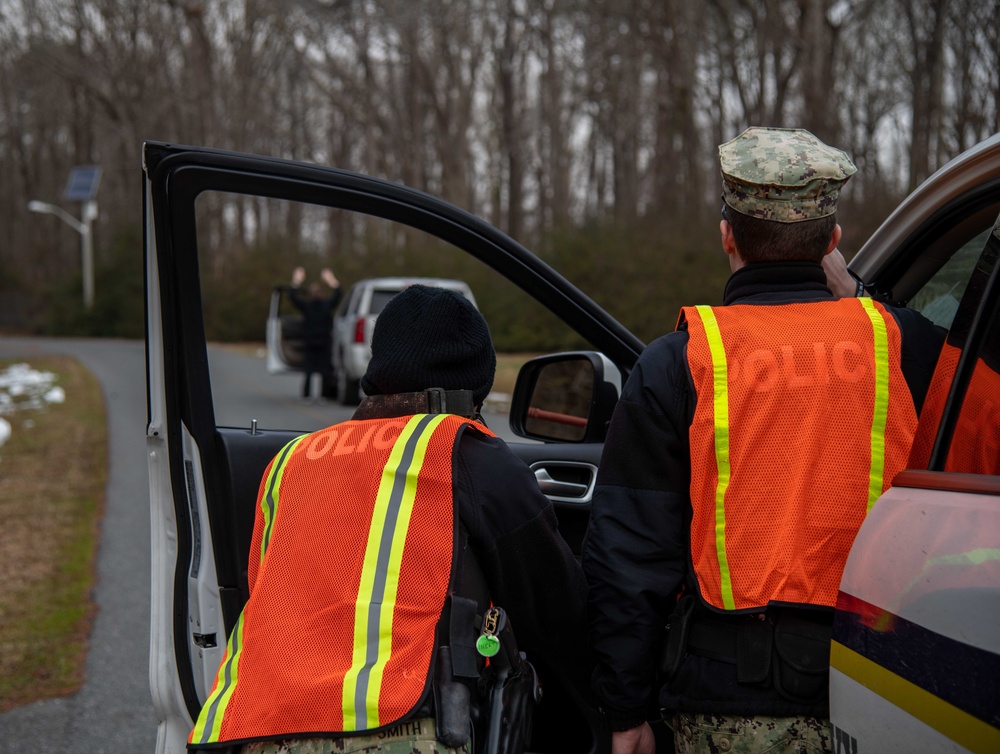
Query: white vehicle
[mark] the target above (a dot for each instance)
(351, 338)
(916, 652)
(355, 322)
(915, 660)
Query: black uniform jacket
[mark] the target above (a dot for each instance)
(636, 555)
(317, 315)
(531, 571)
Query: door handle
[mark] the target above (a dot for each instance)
(551, 486)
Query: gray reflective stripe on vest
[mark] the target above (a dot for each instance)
(377, 592)
(207, 726)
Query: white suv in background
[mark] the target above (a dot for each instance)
(353, 324)
(355, 321)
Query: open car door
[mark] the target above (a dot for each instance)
(213, 425)
(284, 336)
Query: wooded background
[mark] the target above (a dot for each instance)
(587, 129)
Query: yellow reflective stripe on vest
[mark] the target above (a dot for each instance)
(720, 379)
(269, 500)
(881, 408)
(209, 722)
(376, 600)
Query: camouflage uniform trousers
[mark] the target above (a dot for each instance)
(408, 737)
(757, 734)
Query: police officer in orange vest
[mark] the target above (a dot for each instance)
(379, 545)
(743, 455)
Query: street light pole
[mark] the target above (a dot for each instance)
(84, 228)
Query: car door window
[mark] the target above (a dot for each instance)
(938, 299)
(246, 248)
(379, 299)
(350, 306)
(975, 443)
(959, 429)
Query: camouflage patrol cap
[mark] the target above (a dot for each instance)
(782, 174)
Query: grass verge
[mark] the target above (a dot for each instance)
(508, 365)
(53, 472)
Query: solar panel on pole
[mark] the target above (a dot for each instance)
(82, 184)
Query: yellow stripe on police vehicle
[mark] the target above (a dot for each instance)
(915, 657)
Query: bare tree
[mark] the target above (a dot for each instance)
(678, 170)
(557, 110)
(508, 36)
(972, 92)
(540, 114)
(924, 22)
(761, 54)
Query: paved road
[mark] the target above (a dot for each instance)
(113, 713)
(243, 391)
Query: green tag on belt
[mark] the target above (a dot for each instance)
(487, 645)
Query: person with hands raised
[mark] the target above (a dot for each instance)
(317, 308)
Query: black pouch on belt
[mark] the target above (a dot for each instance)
(801, 658)
(456, 672)
(678, 628)
(754, 649)
(452, 703)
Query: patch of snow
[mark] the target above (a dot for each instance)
(23, 388)
(55, 395)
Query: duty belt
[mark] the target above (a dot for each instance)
(784, 649)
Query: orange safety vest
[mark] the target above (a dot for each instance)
(975, 441)
(933, 408)
(350, 565)
(802, 419)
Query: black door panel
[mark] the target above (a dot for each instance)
(566, 473)
(244, 456)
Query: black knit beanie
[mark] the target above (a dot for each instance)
(430, 337)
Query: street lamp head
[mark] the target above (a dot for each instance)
(36, 206)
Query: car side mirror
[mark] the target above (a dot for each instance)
(565, 397)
